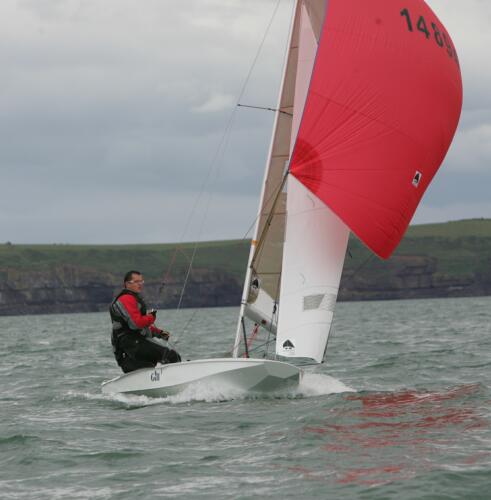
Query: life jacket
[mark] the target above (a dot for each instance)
(120, 325)
(124, 339)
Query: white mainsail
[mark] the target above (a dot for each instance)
(271, 249)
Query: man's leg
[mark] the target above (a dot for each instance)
(156, 353)
(130, 356)
(140, 352)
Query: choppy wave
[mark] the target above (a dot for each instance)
(354, 427)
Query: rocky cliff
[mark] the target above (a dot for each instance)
(450, 259)
(72, 288)
(77, 289)
(410, 277)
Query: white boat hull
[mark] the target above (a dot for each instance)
(247, 374)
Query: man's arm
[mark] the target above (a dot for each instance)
(128, 308)
(157, 332)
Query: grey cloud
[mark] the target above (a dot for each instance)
(99, 121)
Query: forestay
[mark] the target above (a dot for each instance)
(262, 283)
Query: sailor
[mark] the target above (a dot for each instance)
(133, 329)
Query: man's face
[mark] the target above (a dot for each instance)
(135, 284)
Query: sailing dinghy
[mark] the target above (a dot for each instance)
(369, 103)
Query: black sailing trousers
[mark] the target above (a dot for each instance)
(134, 351)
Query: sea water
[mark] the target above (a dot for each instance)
(400, 409)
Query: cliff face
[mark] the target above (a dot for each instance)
(409, 277)
(63, 289)
(71, 288)
(76, 289)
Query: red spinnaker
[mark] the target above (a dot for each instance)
(383, 106)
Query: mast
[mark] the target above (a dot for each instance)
(315, 238)
(278, 157)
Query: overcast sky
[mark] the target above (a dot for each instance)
(113, 111)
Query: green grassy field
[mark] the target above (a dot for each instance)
(461, 248)
(153, 260)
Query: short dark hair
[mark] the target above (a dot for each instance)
(129, 275)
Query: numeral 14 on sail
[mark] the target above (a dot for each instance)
(436, 33)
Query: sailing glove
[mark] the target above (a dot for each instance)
(162, 334)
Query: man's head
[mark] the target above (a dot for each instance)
(133, 280)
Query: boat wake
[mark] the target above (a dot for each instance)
(318, 384)
(312, 385)
(127, 400)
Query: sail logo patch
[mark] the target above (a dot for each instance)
(288, 347)
(417, 178)
(312, 301)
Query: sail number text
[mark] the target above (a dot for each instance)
(437, 34)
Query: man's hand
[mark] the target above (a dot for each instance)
(153, 312)
(163, 334)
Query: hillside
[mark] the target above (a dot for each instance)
(434, 260)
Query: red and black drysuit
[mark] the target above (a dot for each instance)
(131, 335)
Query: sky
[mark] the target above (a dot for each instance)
(118, 118)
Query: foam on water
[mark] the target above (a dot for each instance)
(318, 384)
(129, 400)
(312, 385)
